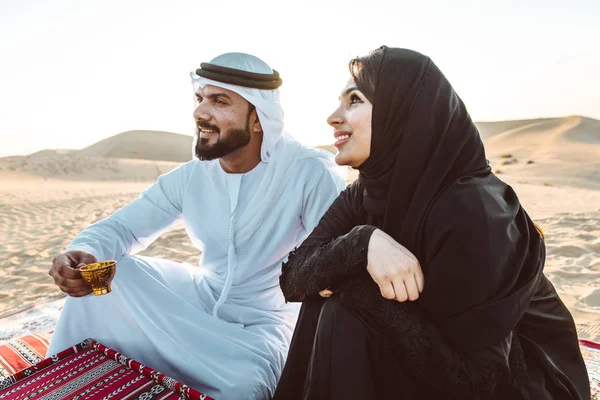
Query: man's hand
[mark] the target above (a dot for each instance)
(394, 268)
(66, 275)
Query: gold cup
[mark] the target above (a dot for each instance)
(99, 275)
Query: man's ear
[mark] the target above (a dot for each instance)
(255, 126)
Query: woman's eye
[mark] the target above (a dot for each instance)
(354, 99)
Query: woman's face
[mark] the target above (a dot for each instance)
(352, 124)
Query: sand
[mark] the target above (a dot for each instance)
(146, 145)
(48, 197)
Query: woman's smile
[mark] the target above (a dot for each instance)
(341, 137)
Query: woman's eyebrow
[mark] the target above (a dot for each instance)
(345, 92)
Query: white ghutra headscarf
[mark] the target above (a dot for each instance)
(266, 102)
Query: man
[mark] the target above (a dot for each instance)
(250, 196)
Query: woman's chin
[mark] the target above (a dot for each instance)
(342, 159)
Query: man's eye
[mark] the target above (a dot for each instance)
(218, 101)
(199, 98)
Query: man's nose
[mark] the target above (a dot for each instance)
(201, 113)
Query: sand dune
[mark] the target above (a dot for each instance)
(73, 167)
(48, 197)
(571, 128)
(557, 151)
(144, 145)
(129, 156)
(490, 129)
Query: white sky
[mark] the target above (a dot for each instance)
(75, 72)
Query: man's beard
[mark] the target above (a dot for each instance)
(227, 142)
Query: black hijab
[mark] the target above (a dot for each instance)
(427, 154)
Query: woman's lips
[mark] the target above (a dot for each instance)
(342, 137)
(341, 141)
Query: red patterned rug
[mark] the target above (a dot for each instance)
(22, 353)
(91, 370)
(591, 356)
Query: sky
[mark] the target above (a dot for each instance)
(75, 72)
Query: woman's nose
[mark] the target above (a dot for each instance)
(335, 119)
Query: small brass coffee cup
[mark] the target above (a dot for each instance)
(99, 275)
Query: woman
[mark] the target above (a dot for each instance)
(487, 323)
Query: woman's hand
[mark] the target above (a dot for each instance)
(394, 268)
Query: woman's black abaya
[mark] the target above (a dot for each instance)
(488, 325)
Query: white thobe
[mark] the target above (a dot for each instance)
(167, 315)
